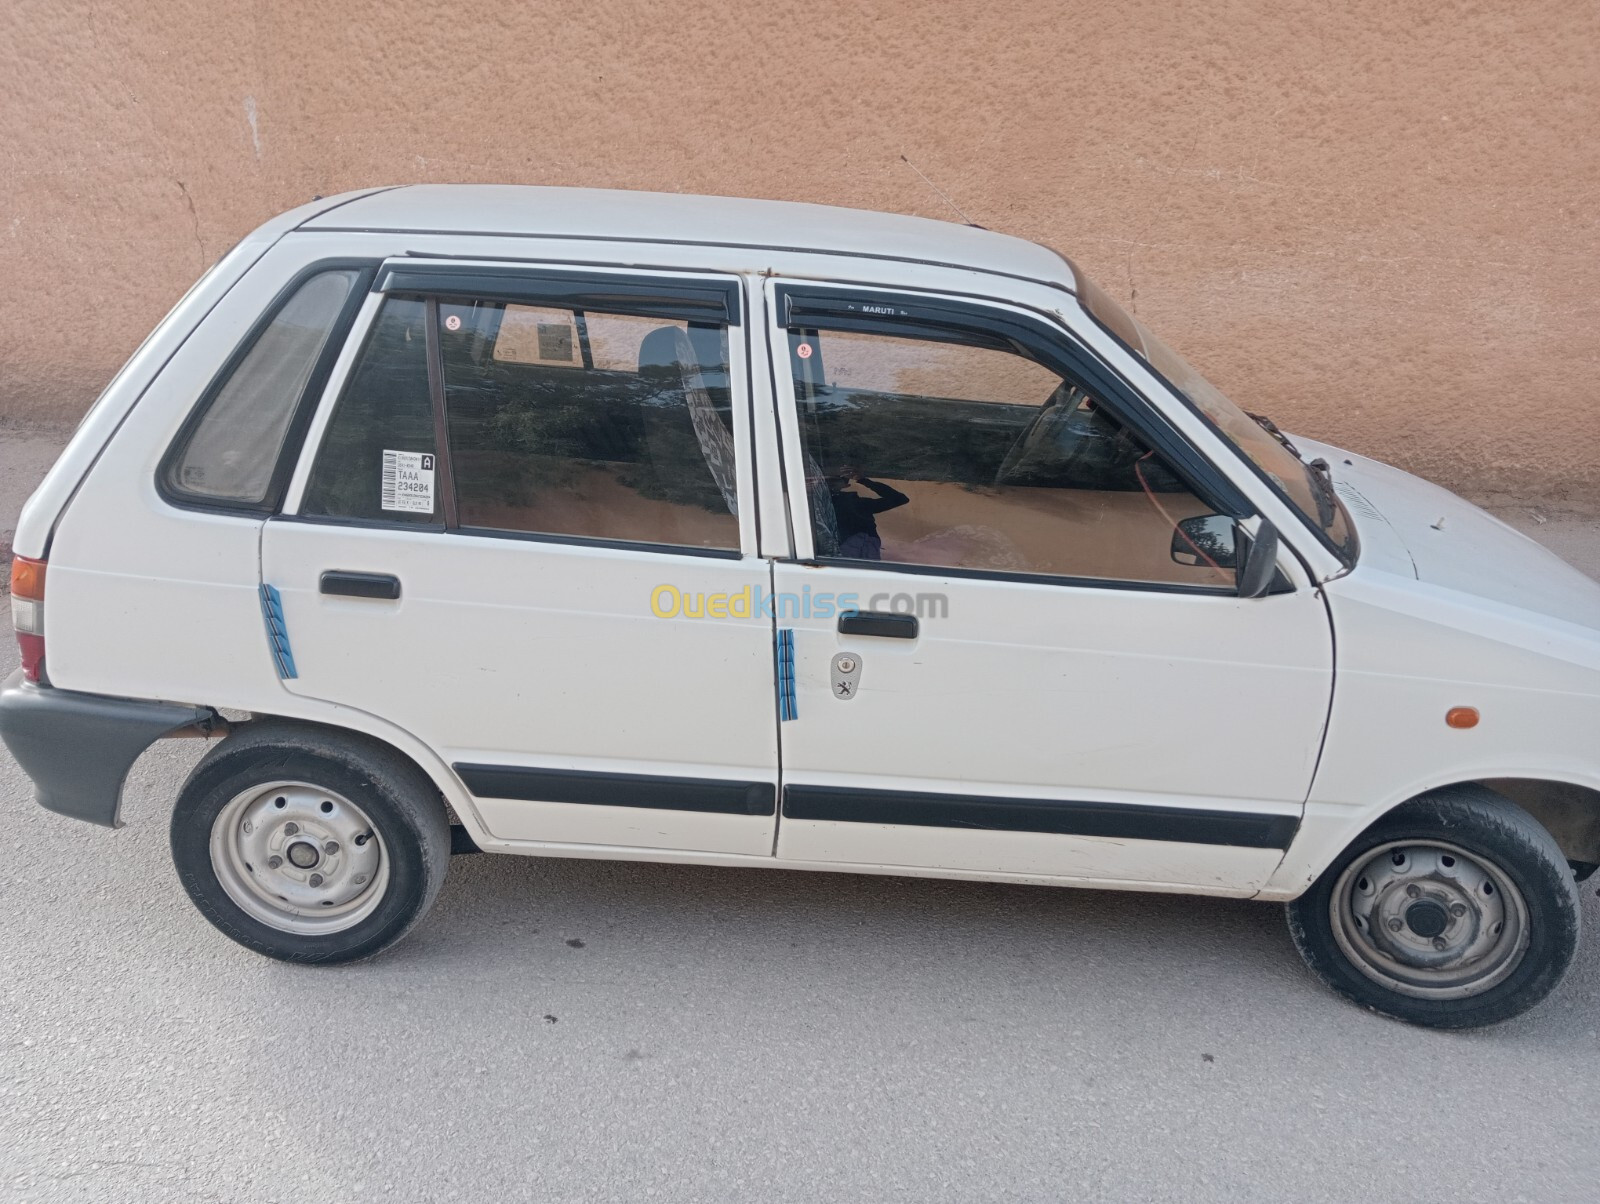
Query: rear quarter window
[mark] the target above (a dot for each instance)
(229, 452)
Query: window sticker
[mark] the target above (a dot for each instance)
(408, 481)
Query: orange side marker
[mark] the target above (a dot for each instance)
(1461, 717)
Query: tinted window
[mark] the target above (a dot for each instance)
(947, 454)
(599, 425)
(376, 460)
(561, 422)
(229, 456)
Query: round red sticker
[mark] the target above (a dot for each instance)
(453, 322)
(803, 351)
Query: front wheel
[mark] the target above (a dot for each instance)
(1457, 910)
(309, 845)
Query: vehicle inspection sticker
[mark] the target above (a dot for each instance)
(453, 322)
(408, 481)
(803, 351)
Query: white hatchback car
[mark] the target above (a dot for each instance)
(602, 524)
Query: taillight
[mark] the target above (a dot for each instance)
(27, 613)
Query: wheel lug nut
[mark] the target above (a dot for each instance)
(1439, 943)
(1412, 892)
(315, 879)
(359, 879)
(331, 847)
(1458, 910)
(274, 862)
(1395, 925)
(290, 829)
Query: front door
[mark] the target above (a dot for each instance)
(519, 472)
(1048, 677)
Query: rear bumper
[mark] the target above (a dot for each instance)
(78, 748)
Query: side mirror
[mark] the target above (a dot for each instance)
(1206, 539)
(1216, 539)
(1259, 571)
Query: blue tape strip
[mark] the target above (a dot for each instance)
(787, 706)
(277, 631)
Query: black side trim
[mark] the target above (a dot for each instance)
(686, 299)
(1121, 821)
(619, 789)
(78, 748)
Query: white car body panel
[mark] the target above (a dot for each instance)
(1446, 607)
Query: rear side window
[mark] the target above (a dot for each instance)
(561, 421)
(594, 425)
(229, 453)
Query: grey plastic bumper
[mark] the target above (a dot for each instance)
(78, 748)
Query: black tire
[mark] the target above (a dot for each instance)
(1504, 839)
(403, 807)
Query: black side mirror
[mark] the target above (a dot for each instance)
(1259, 572)
(1217, 540)
(1206, 539)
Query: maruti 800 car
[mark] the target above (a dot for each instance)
(686, 529)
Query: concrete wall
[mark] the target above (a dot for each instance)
(1375, 221)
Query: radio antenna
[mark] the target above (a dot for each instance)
(942, 193)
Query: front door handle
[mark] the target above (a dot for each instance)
(876, 622)
(361, 585)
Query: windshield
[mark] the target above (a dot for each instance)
(1305, 488)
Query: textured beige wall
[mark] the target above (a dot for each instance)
(1375, 221)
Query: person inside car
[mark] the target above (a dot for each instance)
(857, 515)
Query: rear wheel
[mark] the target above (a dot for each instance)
(309, 845)
(1457, 910)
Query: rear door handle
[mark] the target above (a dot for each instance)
(361, 585)
(876, 622)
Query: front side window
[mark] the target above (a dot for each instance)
(561, 421)
(932, 451)
(230, 455)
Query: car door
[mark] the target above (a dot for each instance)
(510, 464)
(1046, 676)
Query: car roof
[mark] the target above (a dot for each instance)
(614, 215)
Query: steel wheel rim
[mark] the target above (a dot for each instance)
(1429, 919)
(299, 858)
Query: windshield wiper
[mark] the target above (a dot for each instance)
(1271, 428)
(1322, 489)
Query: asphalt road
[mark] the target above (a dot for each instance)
(571, 1030)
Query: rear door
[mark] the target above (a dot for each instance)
(1046, 677)
(521, 485)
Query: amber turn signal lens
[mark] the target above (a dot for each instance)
(1462, 717)
(27, 578)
